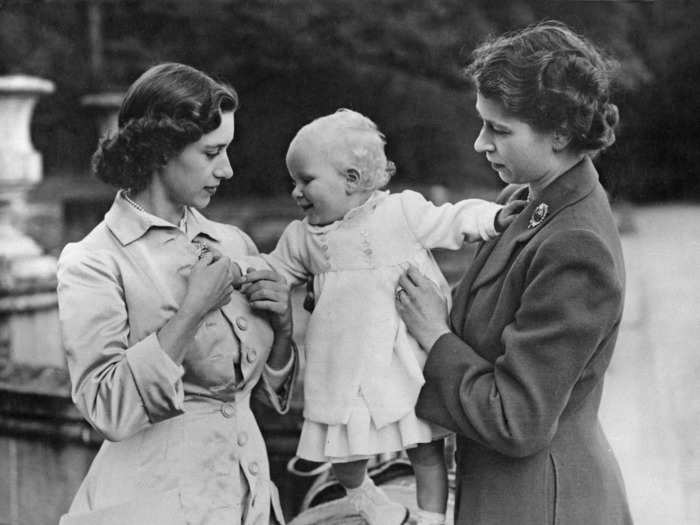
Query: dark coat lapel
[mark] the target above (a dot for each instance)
(569, 188)
(461, 290)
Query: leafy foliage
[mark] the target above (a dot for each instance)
(399, 62)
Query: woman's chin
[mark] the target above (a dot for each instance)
(201, 201)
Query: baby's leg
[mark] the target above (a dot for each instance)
(369, 500)
(350, 474)
(428, 461)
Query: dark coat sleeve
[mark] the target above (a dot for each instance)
(571, 299)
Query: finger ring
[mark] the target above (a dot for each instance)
(398, 292)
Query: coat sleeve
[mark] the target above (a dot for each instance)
(571, 303)
(276, 388)
(119, 388)
(449, 225)
(289, 257)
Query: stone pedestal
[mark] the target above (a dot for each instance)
(28, 315)
(105, 108)
(45, 446)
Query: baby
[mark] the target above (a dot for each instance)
(363, 371)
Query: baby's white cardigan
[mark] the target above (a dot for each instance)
(356, 343)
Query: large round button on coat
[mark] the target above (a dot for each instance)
(254, 468)
(242, 439)
(242, 323)
(252, 355)
(228, 410)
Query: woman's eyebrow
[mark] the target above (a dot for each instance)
(216, 146)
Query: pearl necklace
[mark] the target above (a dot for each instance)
(183, 221)
(134, 204)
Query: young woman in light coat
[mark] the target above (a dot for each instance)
(163, 354)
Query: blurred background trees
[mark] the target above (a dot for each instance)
(399, 62)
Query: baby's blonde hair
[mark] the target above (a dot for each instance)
(350, 141)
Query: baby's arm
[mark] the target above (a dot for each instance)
(449, 225)
(288, 258)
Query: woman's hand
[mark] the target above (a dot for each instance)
(268, 291)
(210, 284)
(421, 307)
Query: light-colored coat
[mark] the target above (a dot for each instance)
(520, 380)
(183, 445)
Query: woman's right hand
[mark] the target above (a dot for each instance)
(421, 307)
(210, 285)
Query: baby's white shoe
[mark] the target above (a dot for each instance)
(374, 505)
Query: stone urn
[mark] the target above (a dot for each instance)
(28, 317)
(104, 107)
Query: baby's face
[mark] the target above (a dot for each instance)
(319, 188)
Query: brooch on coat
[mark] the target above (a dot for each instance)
(200, 248)
(538, 215)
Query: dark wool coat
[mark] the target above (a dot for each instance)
(520, 379)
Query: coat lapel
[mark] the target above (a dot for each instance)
(461, 290)
(567, 189)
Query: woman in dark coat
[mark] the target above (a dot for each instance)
(517, 370)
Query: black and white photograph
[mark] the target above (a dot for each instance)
(363, 262)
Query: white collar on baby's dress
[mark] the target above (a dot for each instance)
(362, 210)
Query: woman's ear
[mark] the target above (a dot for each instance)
(560, 140)
(352, 180)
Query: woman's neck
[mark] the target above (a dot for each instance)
(564, 164)
(154, 200)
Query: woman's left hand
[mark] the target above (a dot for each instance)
(421, 307)
(268, 291)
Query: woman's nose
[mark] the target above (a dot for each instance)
(224, 170)
(296, 192)
(481, 144)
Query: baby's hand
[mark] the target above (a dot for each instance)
(508, 213)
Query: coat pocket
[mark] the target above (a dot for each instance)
(162, 508)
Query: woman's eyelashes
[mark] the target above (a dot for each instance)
(494, 128)
(212, 154)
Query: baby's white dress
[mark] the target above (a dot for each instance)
(363, 371)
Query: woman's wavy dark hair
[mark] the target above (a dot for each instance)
(551, 78)
(168, 107)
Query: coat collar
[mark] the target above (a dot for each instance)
(567, 189)
(128, 224)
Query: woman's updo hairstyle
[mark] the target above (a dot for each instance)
(168, 107)
(551, 78)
